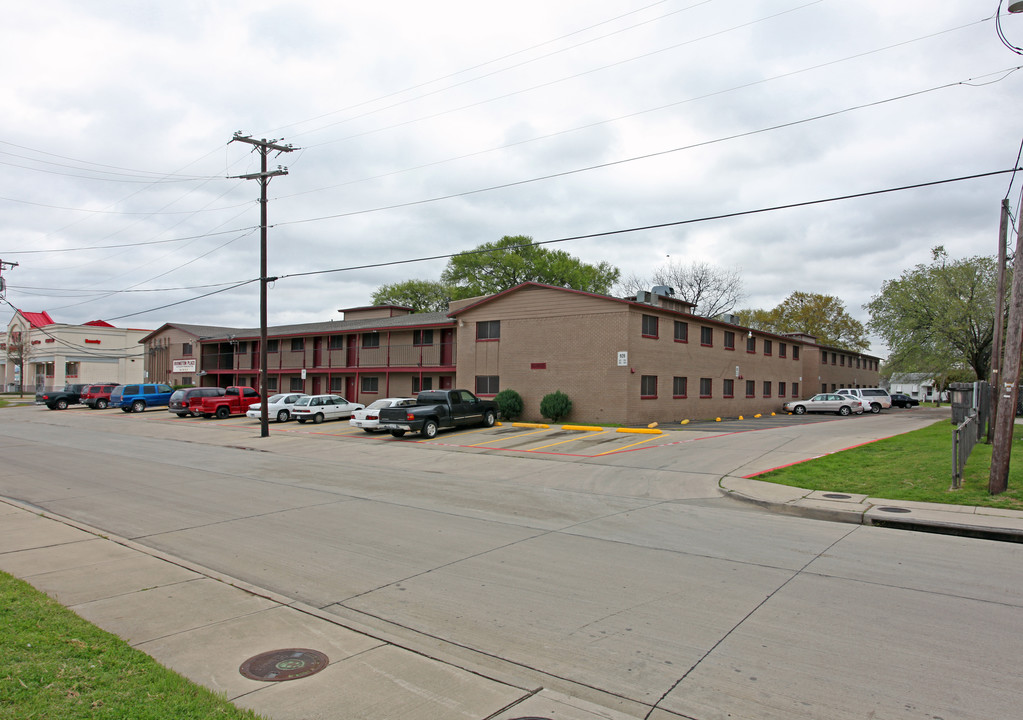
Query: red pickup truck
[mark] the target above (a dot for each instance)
(234, 401)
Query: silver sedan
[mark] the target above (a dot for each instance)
(825, 403)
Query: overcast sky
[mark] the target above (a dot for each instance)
(429, 128)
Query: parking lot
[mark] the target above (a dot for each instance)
(566, 439)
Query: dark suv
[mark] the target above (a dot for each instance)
(97, 397)
(60, 399)
(180, 399)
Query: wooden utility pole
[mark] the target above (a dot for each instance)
(263, 176)
(996, 341)
(1008, 386)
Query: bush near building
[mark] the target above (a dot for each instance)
(555, 406)
(510, 404)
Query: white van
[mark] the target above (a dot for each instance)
(877, 397)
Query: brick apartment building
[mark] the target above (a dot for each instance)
(633, 360)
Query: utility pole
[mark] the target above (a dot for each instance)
(996, 342)
(1008, 387)
(264, 147)
(4, 265)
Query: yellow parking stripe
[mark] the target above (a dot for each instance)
(544, 447)
(608, 452)
(517, 435)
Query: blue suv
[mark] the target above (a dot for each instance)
(136, 398)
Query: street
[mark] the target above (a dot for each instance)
(624, 581)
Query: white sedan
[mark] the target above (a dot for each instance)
(369, 418)
(825, 402)
(277, 407)
(323, 407)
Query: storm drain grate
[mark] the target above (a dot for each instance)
(286, 664)
(894, 509)
(837, 496)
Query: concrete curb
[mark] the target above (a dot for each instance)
(962, 520)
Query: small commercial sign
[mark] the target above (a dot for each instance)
(183, 366)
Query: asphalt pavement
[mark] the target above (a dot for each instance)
(207, 625)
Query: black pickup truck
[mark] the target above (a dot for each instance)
(60, 399)
(438, 409)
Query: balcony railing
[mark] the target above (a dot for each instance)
(438, 355)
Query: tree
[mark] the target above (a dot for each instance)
(18, 351)
(938, 317)
(711, 289)
(420, 295)
(494, 267)
(823, 316)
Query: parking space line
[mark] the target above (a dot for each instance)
(513, 435)
(573, 439)
(626, 447)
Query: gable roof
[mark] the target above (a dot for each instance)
(37, 319)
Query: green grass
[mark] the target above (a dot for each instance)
(914, 466)
(56, 666)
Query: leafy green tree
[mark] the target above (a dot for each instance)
(823, 316)
(420, 295)
(494, 267)
(510, 404)
(555, 406)
(939, 317)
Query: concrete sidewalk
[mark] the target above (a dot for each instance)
(204, 625)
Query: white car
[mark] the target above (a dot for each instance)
(277, 407)
(369, 418)
(825, 402)
(323, 407)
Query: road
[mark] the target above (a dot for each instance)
(621, 579)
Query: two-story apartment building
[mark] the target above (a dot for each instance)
(629, 360)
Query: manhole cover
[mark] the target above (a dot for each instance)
(288, 664)
(894, 509)
(837, 496)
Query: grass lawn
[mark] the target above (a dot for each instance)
(914, 466)
(56, 666)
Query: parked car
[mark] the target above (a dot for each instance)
(97, 397)
(369, 418)
(439, 409)
(278, 407)
(182, 403)
(136, 398)
(324, 407)
(235, 400)
(60, 399)
(825, 402)
(878, 397)
(903, 401)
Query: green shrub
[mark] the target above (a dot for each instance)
(510, 404)
(555, 406)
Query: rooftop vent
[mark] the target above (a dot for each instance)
(662, 290)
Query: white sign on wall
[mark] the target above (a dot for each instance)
(183, 366)
(623, 358)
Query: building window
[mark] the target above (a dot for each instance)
(706, 387)
(488, 330)
(297, 344)
(48, 369)
(751, 344)
(370, 384)
(418, 385)
(781, 389)
(782, 350)
(681, 331)
(795, 352)
(186, 379)
(751, 389)
(648, 386)
(336, 342)
(768, 347)
(767, 388)
(337, 384)
(297, 384)
(729, 340)
(422, 337)
(371, 340)
(186, 348)
(795, 390)
(679, 387)
(488, 384)
(71, 369)
(842, 361)
(824, 357)
(271, 383)
(728, 388)
(273, 346)
(834, 358)
(649, 326)
(707, 336)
